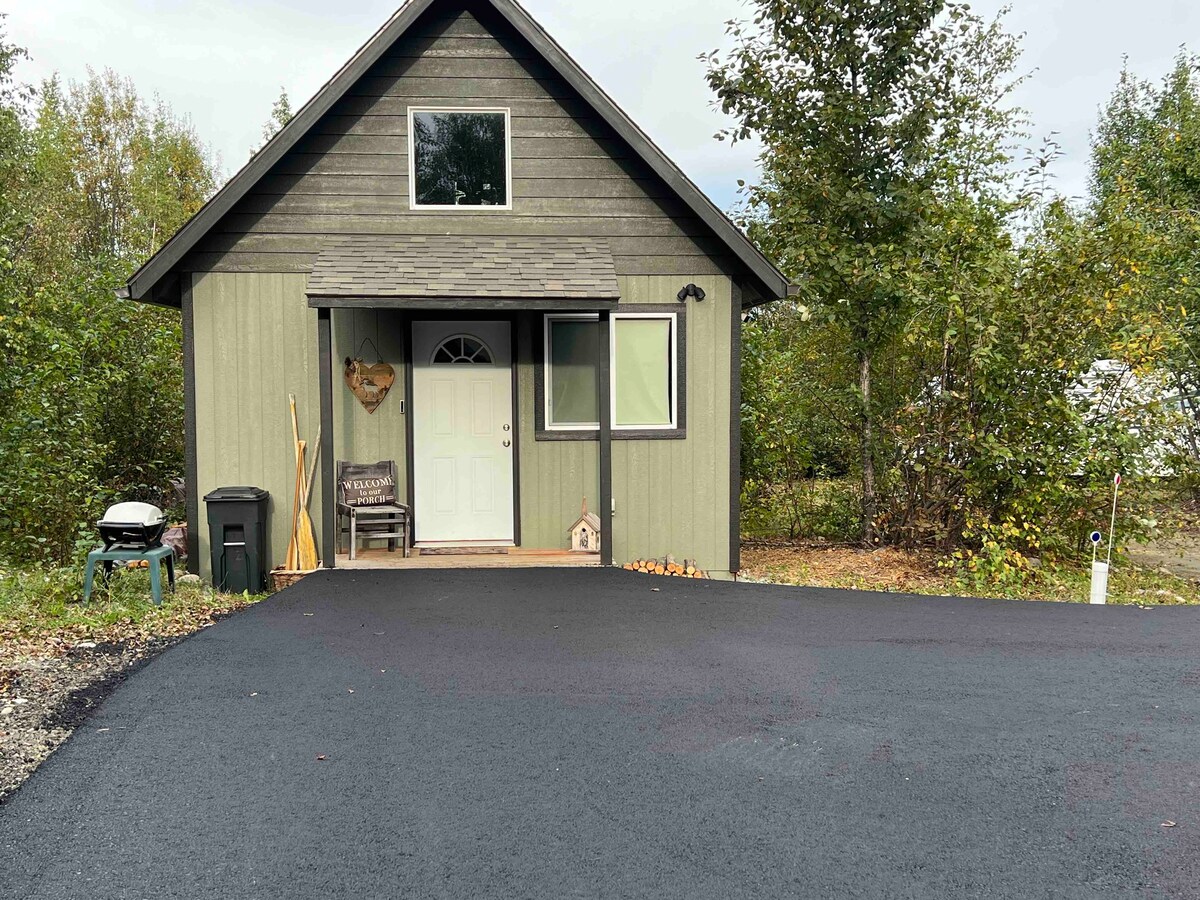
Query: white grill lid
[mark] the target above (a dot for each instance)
(133, 514)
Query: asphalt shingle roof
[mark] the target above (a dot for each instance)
(454, 266)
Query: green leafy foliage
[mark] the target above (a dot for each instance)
(281, 114)
(91, 386)
(952, 312)
(1146, 212)
(870, 115)
(795, 421)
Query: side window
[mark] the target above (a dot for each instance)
(459, 158)
(572, 357)
(644, 371)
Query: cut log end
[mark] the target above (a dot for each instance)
(666, 566)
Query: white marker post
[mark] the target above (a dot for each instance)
(1100, 569)
(1099, 574)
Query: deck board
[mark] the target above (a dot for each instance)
(515, 558)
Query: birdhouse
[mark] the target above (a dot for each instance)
(585, 533)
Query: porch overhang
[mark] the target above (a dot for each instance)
(452, 272)
(460, 303)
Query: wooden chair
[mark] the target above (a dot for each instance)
(386, 521)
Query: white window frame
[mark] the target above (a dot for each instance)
(612, 370)
(412, 159)
(547, 372)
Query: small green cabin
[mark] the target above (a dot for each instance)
(559, 306)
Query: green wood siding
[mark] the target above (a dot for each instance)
(360, 436)
(555, 475)
(572, 174)
(671, 496)
(256, 342)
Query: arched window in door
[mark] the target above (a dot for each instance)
(462, 349)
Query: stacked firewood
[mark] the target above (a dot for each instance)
(667, 566)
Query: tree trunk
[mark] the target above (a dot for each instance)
(867, 447)
(1187, 401)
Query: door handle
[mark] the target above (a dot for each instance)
(508, 443)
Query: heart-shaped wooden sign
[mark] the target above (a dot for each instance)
(370, 384)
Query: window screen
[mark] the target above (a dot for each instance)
(643, 372)
(571, 375)
(460, 158)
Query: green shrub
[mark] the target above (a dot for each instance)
(817, 508)
(92, 180)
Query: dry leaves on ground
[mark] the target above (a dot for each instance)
(843, 567)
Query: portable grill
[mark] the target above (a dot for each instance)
(132, 526)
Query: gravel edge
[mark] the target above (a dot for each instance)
(44, 698)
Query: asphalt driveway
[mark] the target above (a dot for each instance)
(573, 733)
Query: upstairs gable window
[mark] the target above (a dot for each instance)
(459, 158)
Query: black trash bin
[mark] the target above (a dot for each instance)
(237, 534)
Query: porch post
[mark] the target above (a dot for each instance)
(328, 492)
(606, 486)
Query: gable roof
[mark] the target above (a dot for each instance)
(147, 282)
(589, 519)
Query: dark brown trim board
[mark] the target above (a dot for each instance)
(328, 491)
(735, 431)
(409, 440)
(769, 281)
(679, 433)
(190, 460)
(647, 434)
(606, 481)
(515, 426)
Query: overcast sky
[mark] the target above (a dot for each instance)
(222, 62)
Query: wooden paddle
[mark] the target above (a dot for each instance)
(312, 469)
(306, 546)
(292, 560)
(305, 557)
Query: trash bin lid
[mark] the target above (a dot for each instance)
(236, 494)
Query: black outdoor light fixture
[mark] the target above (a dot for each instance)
(690, 290)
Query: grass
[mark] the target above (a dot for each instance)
(42, 608)
(919, 573)
(825, 511)
(59, 657)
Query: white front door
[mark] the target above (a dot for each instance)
(462, 432)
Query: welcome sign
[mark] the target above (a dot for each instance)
(369, 491)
